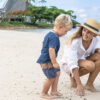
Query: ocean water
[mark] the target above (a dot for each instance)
(46, 30)
(37, 30)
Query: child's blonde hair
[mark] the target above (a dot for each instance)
(63, 20)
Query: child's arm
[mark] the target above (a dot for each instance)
(53, 57)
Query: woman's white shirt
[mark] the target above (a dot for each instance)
(76, 51)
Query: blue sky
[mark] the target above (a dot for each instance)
(2, 3)
(83, 8)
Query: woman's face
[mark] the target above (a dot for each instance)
(87, 35)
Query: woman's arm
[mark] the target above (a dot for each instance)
(93, 57)
(97, 50)
(71, 58)
(80, 89)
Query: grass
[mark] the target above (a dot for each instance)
(11, 23)
(17, 23)
(4, 24)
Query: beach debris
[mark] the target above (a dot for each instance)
(85, 99)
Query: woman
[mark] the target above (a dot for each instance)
(82, 55)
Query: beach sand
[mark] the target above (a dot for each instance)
(21, 78)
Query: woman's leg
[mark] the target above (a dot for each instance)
(93, 75)
(85, 67)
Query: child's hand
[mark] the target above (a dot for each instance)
(56, 65)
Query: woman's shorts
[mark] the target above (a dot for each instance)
(50, 72)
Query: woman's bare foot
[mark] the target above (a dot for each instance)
(90, 88)
(46, 96)
(56, 93)
(73, 83)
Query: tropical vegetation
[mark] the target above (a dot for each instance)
(40, 15)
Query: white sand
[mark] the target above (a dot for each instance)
(21, 78)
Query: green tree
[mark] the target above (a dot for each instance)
(37, 13)
(49, 14)
(71, 12)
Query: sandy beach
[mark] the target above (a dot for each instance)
(21, 78)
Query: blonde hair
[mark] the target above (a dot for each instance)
(63, 20)
(77, 34)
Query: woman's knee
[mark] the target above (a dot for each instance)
(90, 66)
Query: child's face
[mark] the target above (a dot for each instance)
(63, 30)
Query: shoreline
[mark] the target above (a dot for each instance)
(21, 27)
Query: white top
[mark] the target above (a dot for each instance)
(76, 51)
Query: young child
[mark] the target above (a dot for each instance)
(47, 59)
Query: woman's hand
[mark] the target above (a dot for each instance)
(80, 90)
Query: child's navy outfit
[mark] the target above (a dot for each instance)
(51, 40)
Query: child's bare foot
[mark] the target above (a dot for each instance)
(56, 93)
(46, 96)
(90, 88)
(73, 83)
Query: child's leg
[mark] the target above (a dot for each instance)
(46, 87)
(55, 84)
